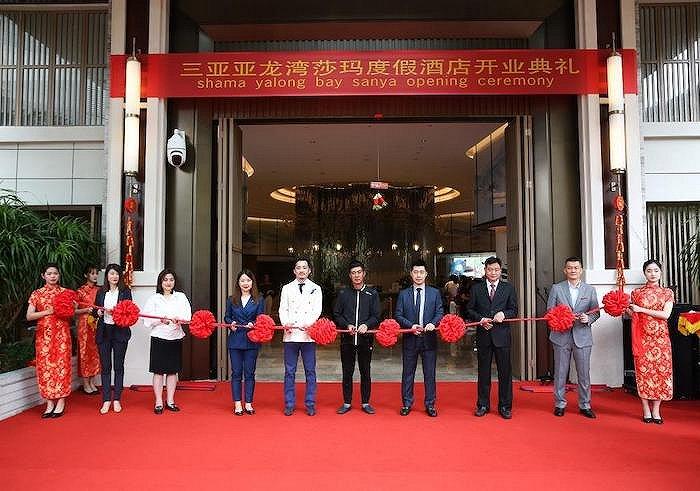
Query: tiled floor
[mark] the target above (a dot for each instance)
(456, 362)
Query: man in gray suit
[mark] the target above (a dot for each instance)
(578, 341)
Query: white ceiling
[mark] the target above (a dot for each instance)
(286, 155)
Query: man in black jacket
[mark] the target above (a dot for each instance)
(490, 302)
(356, 309)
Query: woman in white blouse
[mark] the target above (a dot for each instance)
(166, 337)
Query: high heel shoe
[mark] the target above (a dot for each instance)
(117, 406)
(658, 421)
(250, 411)
(47, 414)
(172, 407)
(647, 420)
(238, 412)
(58, 415)
(105, 407)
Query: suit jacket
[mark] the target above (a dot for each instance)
(406, 315)
(107, 332)
(300, 309)
(480, 306)
(357, 307)
(238, 339)
(580, 334)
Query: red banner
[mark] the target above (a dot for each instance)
(343, 73)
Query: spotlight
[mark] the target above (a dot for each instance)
(290, 250)
(338, 246)
(441, 249)
(315, 247)
(394, 246)
(416, 247)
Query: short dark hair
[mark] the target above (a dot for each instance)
(650, 262)
(417, 263)
(355, 264)
(161, 275)
(90, 267)
(303, 258)
(494, 260)
(573, 259)
(51, 265)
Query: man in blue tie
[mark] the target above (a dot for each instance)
(419, 307)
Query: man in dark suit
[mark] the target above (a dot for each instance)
(356, 309)
(419, 307)
(492, 301)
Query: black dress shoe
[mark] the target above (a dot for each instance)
(481, 411)
(172, 407)
(587, 413)
(311, 411)
(431, 411)
(647, 420)
(367, 408)
(250, 411)
(505, 413)
(559, 411)
(404, 411)
(288, 411)
(343, 409)
(657, 421)
(158, 410)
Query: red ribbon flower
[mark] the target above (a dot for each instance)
(202, 324)
(125, 313)
(451, 328)
(560, 318)
(388, 333)
(263, 330)
(64, 304)
(615, 302)
(323, 331)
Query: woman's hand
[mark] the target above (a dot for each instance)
(165, 321)
(48, 311)
(635, 308)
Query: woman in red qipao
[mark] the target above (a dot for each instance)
(88, 356)
(650, 309)
(53, 344)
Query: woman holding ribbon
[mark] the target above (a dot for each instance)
(650, 309)
(53, 344)
(88, 357)
(242, 308)
(172, 309)
(110, 338)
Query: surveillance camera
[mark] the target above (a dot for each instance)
(177, 148)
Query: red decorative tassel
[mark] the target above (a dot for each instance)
(64, 304)
(615, 302)
(202, 324)
(560, 318)
(451, 328)
(264, 329)
(388, 333)
(323, 331)
(125, 313)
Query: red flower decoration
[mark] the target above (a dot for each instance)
(64, 304)
(131, 205)
(202, 324)
(615, 302)
(560, 318)
(323, 331)
(125, 313)
(451, 328)
(388, 333)
(264, 329)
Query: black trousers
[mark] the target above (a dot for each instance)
(485, 353)
(106, 349)
(348, 353)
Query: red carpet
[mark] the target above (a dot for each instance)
(205, 446)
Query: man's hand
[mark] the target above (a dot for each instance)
(362, 329)
(486, 323)
(418, 328)
(352, 329)
(430, 327)
(499, 317)
(583, 318)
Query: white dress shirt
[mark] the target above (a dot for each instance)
(175, 306)
(422, 301)
(111, 297)
(300, 309)
(573, 292)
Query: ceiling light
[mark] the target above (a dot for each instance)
(416, 247)
(284, 194)
(445, 194)
(247, 168)
(441, 249)
(394, 246)
(338, 246)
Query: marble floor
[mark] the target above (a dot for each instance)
(455, 362)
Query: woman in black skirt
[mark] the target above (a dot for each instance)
(166, 337)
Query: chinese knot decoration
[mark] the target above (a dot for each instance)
(378, 202)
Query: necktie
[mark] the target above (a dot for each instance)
(418, 305)
(301, 288)
(492, 293)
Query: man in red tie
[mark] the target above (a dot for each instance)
(492, 301)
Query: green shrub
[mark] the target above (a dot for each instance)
(16, 355)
